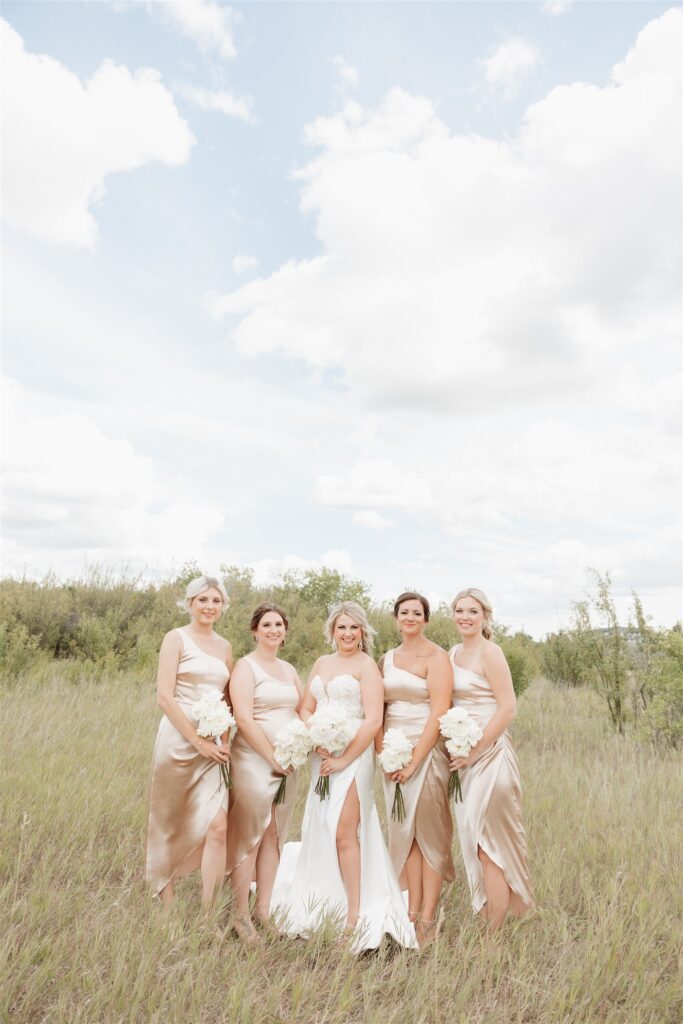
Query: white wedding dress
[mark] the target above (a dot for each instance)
(309, 887)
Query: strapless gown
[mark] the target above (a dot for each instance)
(309, 885)
(425, 794)
(254, 783)
(186, 790)
(490, 815)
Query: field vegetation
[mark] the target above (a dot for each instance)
(81, 942)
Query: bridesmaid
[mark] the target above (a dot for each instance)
(418, 686)
(489, 818)
(188, 803)
(265, 693)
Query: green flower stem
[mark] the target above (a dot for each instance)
(322, 787)
(281, 790)
(454, 786)
(398, 809)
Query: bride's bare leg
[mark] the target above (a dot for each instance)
(497, 890)
(413, 870)
(266, 868)
(348, 852)
(213, 857)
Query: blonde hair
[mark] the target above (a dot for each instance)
(198, 585)
(486, 605)
(359, 616)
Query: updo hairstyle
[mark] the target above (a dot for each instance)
(359, 616)
(486, 605)
(197, 586)
(262, 610)
(411, 595)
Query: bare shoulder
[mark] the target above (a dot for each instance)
(289, 668)
(225, 645)
(368, 666)
(492, 654)
(172, 640)
(437, 655)
(243, 670)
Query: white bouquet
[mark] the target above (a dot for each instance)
(397, 751)
(293, 744)
(213, 718)
(330, 728)
(461, 732)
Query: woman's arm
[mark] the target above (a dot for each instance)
(169, 659)
(372, 698)
(308, 702)
(242, 685)
(498, 675)
(379, 736)
(440, 687)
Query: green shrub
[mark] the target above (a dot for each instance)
(561, 659)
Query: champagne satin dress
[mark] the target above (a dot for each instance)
(425, 794)
(254, 782)
(187, 790)
(490, 815)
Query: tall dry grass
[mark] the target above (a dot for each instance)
(82, 943)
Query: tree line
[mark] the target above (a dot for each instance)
(105, 623)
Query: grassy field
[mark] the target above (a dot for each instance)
(82, 943)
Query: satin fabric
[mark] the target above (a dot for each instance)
(490, 815)
(186, 789)
(309, 886)
(254, 782)
(425, 794)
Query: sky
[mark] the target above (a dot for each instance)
(390, 288)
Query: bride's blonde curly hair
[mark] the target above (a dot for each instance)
(486, 605)
(359, 615)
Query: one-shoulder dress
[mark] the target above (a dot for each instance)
(490, 814)
(186, 789)
(309, 886)
(254, 782)
(425, 795)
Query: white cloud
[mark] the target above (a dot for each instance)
(269, 570)
(505, 318)
(61, 138)
(243, 262)
(209, 25)
(459, 272)
(375, 482)
(556, 8)
(73, 494)
(509, 63)
(372, 519)
(347, 75)
(240, 107)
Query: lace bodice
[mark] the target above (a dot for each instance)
(344, 690)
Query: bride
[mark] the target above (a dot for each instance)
(342, 868)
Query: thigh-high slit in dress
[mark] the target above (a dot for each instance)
(490, 814)
(309, 886)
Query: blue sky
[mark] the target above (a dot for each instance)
(393, 288)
